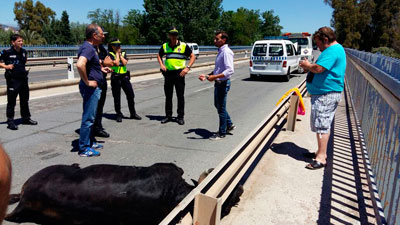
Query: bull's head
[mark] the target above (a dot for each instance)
(203, 176)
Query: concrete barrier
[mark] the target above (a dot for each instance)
(68, 82)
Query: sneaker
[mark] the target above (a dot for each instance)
(180, 121)
(11, 125)
(135, 117)
(166, 120)
(97, 146)
(231, 128)
(217, 137)
(89, 152)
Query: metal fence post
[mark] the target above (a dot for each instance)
(71, 74)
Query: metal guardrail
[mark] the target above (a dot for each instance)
(72, 50)
(376, 98)
(63, 60)
(209, 196)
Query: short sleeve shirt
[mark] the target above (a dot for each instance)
(11, 56)
(333, 59)
(187, 53)
(93, 67)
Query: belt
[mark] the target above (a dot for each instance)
(221, 81)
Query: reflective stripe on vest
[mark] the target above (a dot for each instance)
(175, 58)
(119, 69)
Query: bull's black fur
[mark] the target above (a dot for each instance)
(103, 195)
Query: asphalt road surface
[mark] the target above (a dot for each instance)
(47, 73)
(145, 142)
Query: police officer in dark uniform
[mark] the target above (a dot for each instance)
(14, 60)
(105, 61)
(120, 79)
(174, 70)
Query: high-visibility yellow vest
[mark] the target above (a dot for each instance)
(118, 69)
(175, 57)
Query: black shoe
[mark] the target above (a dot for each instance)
(136, 117)
(231, 128)
(29, 122)
(119, 118)
(166, 120)
(12, 125)
(101, 133)
(180, 121)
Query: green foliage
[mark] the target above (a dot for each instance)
(270, 26)
(196, 20)
(58, 31)
(364, 24)
(77, 33)
(32, 37)
(32, 16)
(108, 18)
(386, 51)
(5, 37)
(246, 26)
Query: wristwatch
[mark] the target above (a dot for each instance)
(189, 67)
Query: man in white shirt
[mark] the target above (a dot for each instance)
(221, 75)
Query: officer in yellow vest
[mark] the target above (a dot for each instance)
(174, 70)
(120, 78)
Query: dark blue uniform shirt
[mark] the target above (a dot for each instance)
(11, 56)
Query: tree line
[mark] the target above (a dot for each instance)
(370, 25)
(197, 21)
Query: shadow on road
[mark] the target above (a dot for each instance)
(270, 78)
(75, 145)
(17, 122)
(292, 150)
(110, 116)
(203, 133)
(156, 118)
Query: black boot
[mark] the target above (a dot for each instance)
(135, 116)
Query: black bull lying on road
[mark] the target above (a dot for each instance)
(103, 194)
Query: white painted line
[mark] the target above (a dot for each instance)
(202, 89)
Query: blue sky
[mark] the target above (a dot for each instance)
(295, 15)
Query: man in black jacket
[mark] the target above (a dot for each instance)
(14, 60)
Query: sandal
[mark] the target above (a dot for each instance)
(315, 165)
(310, 155)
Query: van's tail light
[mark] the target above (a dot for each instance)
(284, 64)
(251, 63)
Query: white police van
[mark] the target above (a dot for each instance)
(274, 57)
(195, 49)
(304, 40)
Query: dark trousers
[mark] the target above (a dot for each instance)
(171, 79)
(119, 81)
(100, 106)
(220, 95)
(17, 87)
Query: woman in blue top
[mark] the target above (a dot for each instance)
(325, 82)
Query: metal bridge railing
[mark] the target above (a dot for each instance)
(374, 85)
(72, 50)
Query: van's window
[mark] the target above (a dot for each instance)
(275, 50)
(300, 41)
(195, 47)
(289, 50)
(260, 50)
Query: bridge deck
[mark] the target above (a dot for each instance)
(282, 191)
